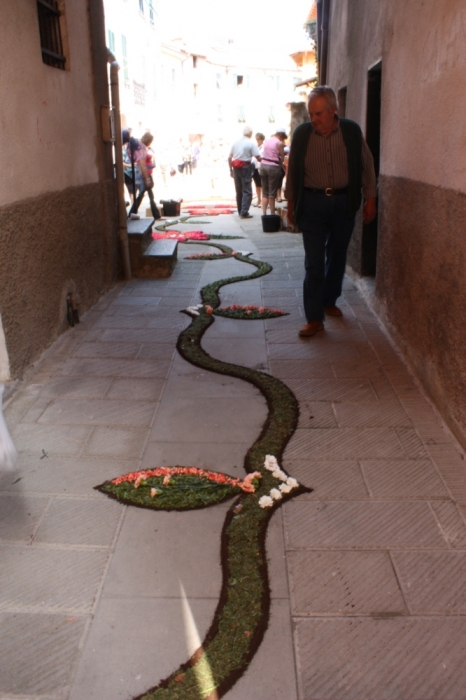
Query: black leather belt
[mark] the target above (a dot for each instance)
(329, 191)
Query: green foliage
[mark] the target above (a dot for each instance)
(242, 614)
(183, 492)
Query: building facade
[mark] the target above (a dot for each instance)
(58, 232)
(132, 34)
(181, 90)
(399, 69)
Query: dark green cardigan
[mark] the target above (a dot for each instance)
(352, 136)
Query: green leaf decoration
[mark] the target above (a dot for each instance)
(172, 488)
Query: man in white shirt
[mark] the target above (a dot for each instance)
(241, 168)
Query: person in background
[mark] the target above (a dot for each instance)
(239, 160)
(127, 169)
(260, 138)
(144, 182)
(286, 153)
(330, 170)
(135, 154)
(188, 159)
(196, 151)
(272, 169)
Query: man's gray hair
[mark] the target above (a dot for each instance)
(327, 93)
(247, 131)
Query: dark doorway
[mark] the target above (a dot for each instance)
(342, 92)
(374, 102)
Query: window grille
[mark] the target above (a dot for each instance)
(50, 33)
(151, 13)
(139, 93)
(141, 6)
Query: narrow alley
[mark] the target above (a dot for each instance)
(101, 601)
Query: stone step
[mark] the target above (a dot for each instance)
(159, 260)
(139, 239)
(149, 258)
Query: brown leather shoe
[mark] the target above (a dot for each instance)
(333, 311)
(311, 329)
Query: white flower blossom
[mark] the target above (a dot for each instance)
(271, 463)
(284, 488)
(279, 474)
(275, 494)
(292, 482)
(265, 502)
(193, 310)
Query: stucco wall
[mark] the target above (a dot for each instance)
(50, 245)
(47, 115)
(421, 285)
(58, 230)
(421, 281)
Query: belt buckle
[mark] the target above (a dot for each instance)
(328, 191)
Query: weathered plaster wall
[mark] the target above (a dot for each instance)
(49, 245)
(421, 285)
(47, 115)
(421, 280)
(58, 229)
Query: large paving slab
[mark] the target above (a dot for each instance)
(381, 658)
(99, 601)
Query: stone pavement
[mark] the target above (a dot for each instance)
(368, 572)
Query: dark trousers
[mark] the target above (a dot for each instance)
(243, 187)
(327, 231)
(138, 200)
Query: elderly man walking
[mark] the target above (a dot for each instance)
(330, 168)
(241, 169)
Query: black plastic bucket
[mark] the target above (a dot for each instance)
(171, 207)
(271, 223)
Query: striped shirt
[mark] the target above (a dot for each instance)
(326, 165)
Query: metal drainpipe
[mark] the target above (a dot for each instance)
(122, 217)
(319, 40)
(324, 54)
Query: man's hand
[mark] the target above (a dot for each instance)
(290, 216)
(369, 211)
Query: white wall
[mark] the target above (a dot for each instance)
(47, 116)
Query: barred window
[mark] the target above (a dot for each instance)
(51, 41)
